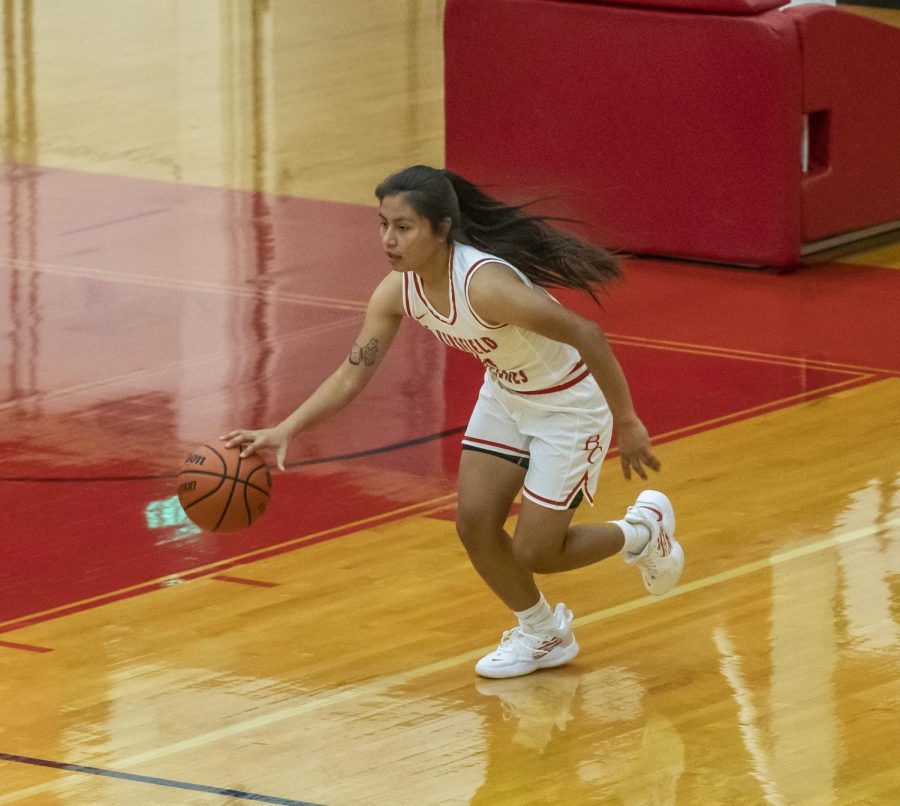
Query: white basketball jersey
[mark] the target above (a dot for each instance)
(518, 359)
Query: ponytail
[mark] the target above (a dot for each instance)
(545, 254)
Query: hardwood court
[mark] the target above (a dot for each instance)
(188, 245)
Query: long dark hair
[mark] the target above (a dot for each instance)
(547, 255)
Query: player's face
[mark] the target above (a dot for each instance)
(408, 239)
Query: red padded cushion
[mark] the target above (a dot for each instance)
(850, 70)
(693, 6)
(675, 134)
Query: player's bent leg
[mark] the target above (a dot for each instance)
(546, 542)
(488, 485)
(540, 536)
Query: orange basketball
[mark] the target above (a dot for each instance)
(220, 491)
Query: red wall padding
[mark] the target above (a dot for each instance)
(716, 6)
(851, 67)
(667, 132)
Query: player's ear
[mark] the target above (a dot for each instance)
(444, 228)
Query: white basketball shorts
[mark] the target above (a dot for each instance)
(561, 437)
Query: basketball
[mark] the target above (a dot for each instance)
(221, 492)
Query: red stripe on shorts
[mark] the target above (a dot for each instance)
(510, 448)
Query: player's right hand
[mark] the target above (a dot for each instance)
(275, 439)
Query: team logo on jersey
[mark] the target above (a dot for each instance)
(594, 448)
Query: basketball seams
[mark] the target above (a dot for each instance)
(248, 486)
(221, 458)
(221, 506)
(248, 512)
(264, 468)
(225, 477)
(206, 495)
(234, 480)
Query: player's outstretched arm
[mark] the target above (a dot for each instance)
(383, 317)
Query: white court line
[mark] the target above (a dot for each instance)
(731, 352)
(183, 284)
(144, 374)
(379, 687)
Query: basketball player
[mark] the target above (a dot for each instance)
(473, 271)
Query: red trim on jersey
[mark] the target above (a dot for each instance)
(406, 305)
(469, 273)
(421, 292)
(496, 445)
(558, 388)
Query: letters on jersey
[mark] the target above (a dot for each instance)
(516, 358)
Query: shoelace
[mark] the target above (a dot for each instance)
(517, 641)
(516, 636)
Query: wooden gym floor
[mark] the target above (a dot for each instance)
(188, 244)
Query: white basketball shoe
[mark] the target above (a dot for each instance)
(662, 559)
(520, 653)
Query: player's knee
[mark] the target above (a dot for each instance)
(473, 529)
(533, 556)
(481, 536)
(467, 526)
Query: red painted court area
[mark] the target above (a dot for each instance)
(142, 318)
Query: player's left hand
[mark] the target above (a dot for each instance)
(634, 450)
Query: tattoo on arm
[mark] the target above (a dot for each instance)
(364, 355)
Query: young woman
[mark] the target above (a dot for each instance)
(473, 271)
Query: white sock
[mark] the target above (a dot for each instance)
(637, 536)
(537, 619)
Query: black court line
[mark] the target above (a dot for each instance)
(146, 779)
(304, 463)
